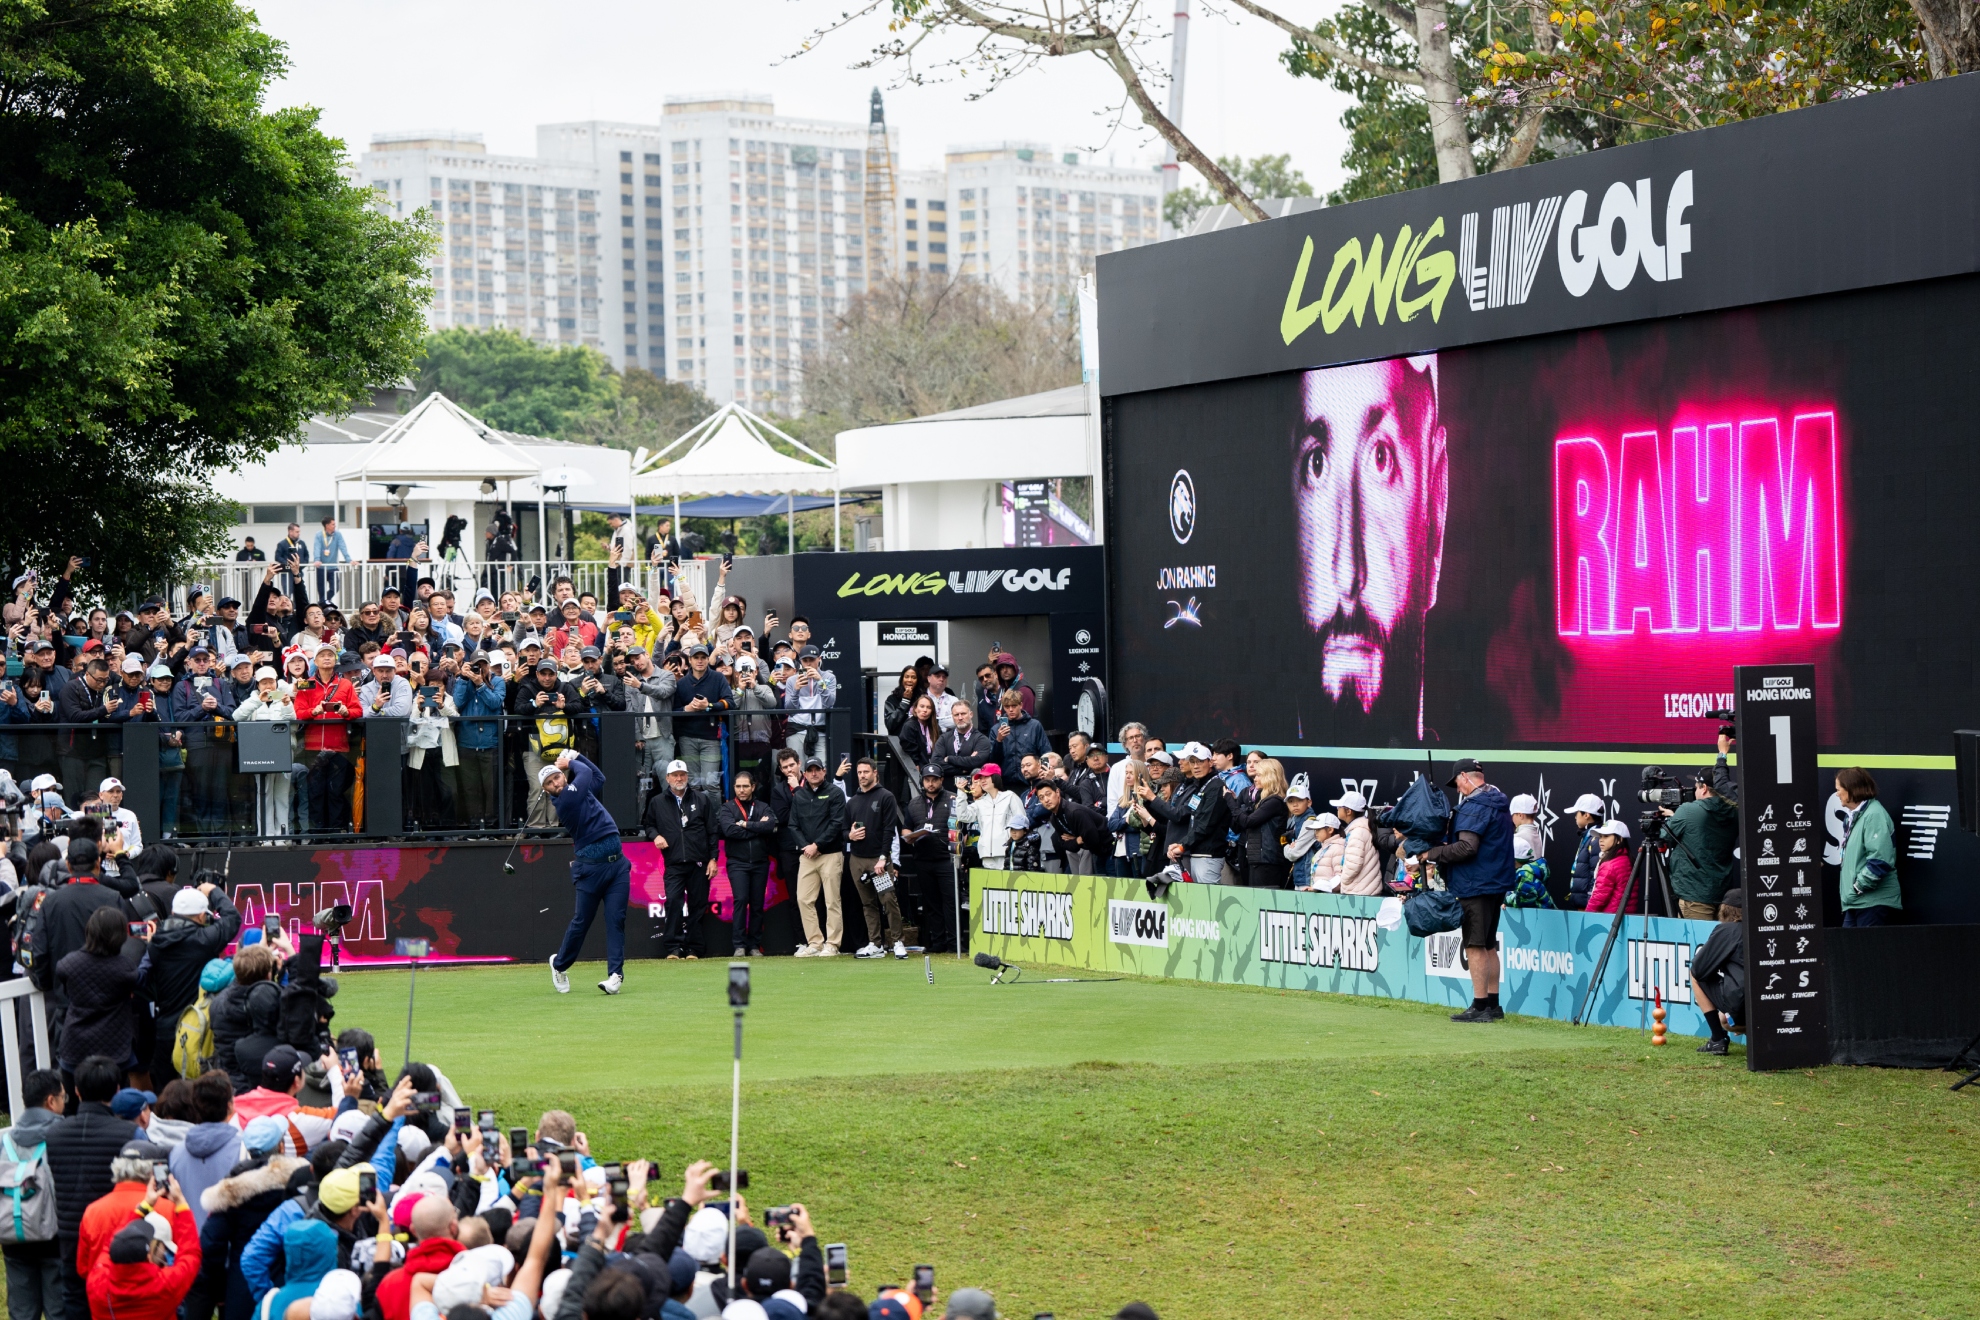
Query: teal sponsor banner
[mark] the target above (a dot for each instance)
(1332, 943)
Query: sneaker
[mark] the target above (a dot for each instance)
(829, 951)
(900, 949)
(1497, 1014)
(557, 978)
(694, 957)
(610, 985)
(1473, 1015)
(805, 951)
(740, 953)
(1716, 1046)
(870, 951)
(673, 957)
(757, 952)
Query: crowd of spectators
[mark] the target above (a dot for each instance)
(286, 1175)
(489, 690)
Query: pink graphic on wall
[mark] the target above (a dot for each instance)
(1683, 547)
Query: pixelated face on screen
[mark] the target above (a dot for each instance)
(1370, 485)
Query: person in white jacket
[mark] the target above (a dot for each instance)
(995, 812)
(270, 700)
(1361, 868)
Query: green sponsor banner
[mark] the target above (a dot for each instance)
(1331, 943)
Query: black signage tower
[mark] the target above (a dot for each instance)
(1780, 808)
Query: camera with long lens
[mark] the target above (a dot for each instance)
(332, 920)
(1661, 788)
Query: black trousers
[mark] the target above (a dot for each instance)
(747, 881)
(935, 896)
(687, 900)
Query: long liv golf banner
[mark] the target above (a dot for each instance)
(1331, 943)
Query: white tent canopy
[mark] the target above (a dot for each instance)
(730, 454)
(440, 441)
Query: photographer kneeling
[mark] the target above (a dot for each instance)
(1702, 835)
(1718, 973)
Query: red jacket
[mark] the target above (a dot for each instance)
(144, 1291)
(395, 1289)
(106, 1214)
(327, 732)
(1611, 878)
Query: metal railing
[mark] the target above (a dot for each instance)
(346, 585)
(436, 775)
(13, 996)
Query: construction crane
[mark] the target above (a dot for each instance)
(879, 195)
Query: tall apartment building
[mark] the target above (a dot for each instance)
(519, 236)
(922, 246)
(764, 242)
(1033, 221)
(715, 245)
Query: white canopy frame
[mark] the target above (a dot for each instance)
(729, 453)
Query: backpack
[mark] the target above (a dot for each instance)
(27, 935)
(27, 1194)
(192, 1038)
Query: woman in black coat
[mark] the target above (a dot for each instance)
(97, 983)
(1260, 817)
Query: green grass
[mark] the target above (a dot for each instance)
(1226, 1151)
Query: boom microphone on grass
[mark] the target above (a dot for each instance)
(990, 962)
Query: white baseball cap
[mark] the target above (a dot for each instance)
(1590, 805)
(1300, 787)
(109, 784)
(42, 783)
(1194, 751)
(383, 660)
(1615, 827)
(1352, 800)
(677, 767)
(188, 902)
(132, 664)
(1522, 849)
(266, 671)
(1524, 804)
(543, 775)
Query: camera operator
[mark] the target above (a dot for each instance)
(1718, 973)
(1702, 835)
(203, 922)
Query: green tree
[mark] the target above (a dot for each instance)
(1261, 177)
(184, 278)
(514, 384)
(668, 409)
(1663, 66)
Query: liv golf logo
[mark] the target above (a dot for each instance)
(1027, 914)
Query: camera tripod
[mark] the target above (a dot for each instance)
(1648, 866)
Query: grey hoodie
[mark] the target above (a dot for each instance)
(31, 1129)
(209, 1154)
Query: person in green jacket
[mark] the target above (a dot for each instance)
(1704, 832)
(1869, 860)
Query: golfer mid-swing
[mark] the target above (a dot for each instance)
(599, 872)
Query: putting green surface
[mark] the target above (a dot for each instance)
(1222, 1151)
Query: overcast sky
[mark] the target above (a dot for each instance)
(501, 67)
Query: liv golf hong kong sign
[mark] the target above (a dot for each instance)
(1780, 805)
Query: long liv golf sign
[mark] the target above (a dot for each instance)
(1331, 943)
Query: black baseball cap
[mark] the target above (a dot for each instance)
(810, 653)
(1465, 765)
(280, 1066)
(810, 761)
(768, 1271)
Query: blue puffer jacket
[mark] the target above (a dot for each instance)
(1026, 738)
(1487, 814)
(484, 734)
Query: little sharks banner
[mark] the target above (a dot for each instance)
(1333, 943)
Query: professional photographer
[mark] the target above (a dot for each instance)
(202, 923)
(1477, 864)
(1702, 835)
(1718, 973)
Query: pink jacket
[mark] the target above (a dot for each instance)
(1611, 878)
(1361, 869)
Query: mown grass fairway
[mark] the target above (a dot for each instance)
(1223, 1151)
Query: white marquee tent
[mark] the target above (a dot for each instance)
(730, 454)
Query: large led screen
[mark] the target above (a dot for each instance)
(1565, 540)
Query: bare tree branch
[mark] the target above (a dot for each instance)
(1186, 151)
(1338, 53)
